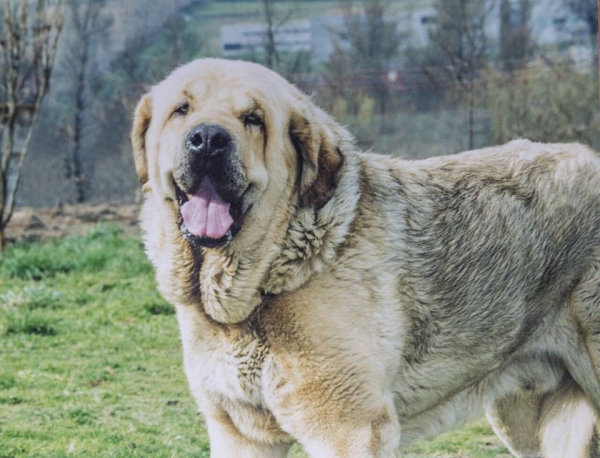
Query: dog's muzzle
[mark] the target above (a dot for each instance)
(210, 186)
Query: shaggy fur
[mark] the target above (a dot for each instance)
(369, 302)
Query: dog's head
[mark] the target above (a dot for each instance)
(225, 143)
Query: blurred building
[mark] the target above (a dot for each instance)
(326, 33)
(251, 38)
(553, 26)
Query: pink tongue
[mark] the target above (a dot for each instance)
(205, 213)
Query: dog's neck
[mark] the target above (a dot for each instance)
(234, 283)
(313, 237)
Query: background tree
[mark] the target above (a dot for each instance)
(515, 43)
(271, 54)
(89, 25)
(458, 46)
(550, 102)
(28, 39)
(587, 11)
(276, 19)
(361, 64)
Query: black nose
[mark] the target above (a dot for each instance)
(208, 138)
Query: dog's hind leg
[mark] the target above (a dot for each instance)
(559, 424)
(581, 335)
(567, 424)
(515, 421)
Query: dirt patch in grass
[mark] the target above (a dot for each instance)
(40, 224)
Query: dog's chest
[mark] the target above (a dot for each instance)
(233, 370)
(225, 372)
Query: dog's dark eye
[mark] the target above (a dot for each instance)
(253, 120)
(182, 110)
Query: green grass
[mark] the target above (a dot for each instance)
(90, 359)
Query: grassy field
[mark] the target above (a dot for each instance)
(90, 362)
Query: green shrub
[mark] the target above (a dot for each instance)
(545, 103)
(7, 381)
(81, 416)
(37, 322)
(159, 308)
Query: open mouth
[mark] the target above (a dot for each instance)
(205, 218)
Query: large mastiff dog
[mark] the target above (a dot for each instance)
(354, 302)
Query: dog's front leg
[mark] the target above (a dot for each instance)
(379, 438)
(334, 431)
(227, 442)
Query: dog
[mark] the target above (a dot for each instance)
(354, 302)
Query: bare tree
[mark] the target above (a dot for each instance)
(372, 41)
(458, 46)
(515, 42)
(89, 23)
(587, 11)
(28, 40)
(275, 21)
(271, 54)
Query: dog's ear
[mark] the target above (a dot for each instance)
(141, 123)
(319, 161)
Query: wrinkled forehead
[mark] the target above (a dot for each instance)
(234, 88)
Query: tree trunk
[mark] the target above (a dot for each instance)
(4, 213)
(471, 114)
(78, 127)
(33, 40)
(272, 57)
(596, 43)
(382, 108)
(3, 216)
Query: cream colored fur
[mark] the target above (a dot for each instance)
(369, 302)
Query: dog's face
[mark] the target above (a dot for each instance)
(224, 143)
